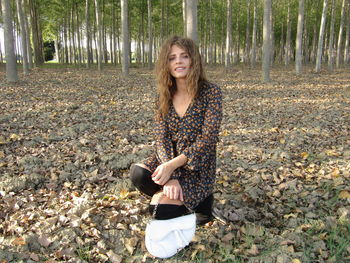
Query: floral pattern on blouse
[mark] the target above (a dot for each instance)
(195, 135)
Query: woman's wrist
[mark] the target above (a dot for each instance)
(177, 162)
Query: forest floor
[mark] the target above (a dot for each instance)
(68, 137)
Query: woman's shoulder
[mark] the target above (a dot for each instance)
(208, 88)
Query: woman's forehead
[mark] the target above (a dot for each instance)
(177, 49)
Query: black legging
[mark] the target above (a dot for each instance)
(142, 180)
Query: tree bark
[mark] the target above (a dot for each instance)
(321, 37)
(299, 40)
(36, 34)
(184, 16)
(288, 38)
(191, 19)
(19, 4)
(253, 51)
(340, 36)
(247, 35)
(331, 39)
(78, 34)
(125, 36)
(99, 34)
(266, 41)
(228, 33)
(150, 35)
(347, 39)
(87, 33)
(11, 69)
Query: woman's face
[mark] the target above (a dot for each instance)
(179, 62)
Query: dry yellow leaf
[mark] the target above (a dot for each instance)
(124, 193)
(14, 137)
(344, 194)
(295, 260)
(19, 241)
(2, 140)
(225, 133)
(335, 173)
(304, 155)
(282, 141)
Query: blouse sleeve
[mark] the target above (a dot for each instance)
(163, 140)
(204, 142)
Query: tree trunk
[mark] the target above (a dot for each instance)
(99, 34)
(253, 54)
(340, 36)
(320, 38)
(36, 34)
(87, 33)
(150, 36)
(266, 41)
(288, 38)
(78, 34)
(299, 39)
(331, 39)
(19, 4)
(247, 35)
(73, 35)
(184, 16)
(191, 19)
(346, 48)
(125, 36)
(11, 69)
(29, 46)
(228, 33)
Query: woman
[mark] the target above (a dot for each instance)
(188, 118)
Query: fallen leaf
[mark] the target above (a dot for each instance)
(124, 193)
(34, 257)
(228, 237)
(295, 260)
(44, 241)
(344, 195)
(19, 241)
(254, 251)
(113, 257)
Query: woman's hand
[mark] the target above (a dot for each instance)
(172, 189)
(162, 174)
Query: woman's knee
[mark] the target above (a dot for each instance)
(141, 177)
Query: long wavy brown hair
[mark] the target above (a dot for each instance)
(166, 83)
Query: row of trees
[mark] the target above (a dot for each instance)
(131, 31)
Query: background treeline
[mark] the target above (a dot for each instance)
(228, 31)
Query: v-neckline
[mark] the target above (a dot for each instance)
(187, 110)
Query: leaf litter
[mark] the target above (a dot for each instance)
(69, 136)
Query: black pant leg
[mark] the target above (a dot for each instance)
(142, 180)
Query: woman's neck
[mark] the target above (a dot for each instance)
(181, 86)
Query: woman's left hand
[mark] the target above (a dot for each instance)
(162, 174)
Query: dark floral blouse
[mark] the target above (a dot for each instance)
(195, 135)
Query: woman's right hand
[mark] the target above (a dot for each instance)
(172, 189)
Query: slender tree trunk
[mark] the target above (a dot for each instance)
(299, 40)
(320, 38)
(340, 36)
(184, 16)
(228, 33)
(331, 39)
(266, 41)
(78, 34)
(288, 38)
(346, 48)
(150, 36)
(29, 45)
(125, 36)
(99, 34)
(247, 35)
(38, 52)
(1, 55)
(11, 69)
(253, 54)
(73, 35)
(210, 33)
(19, 4)
(191, 19)
(87, 33)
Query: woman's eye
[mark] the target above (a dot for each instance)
(171, 58)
